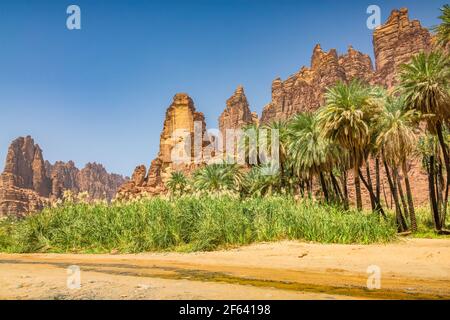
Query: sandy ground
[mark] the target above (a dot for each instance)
(409, 269)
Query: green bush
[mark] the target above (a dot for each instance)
(188, 223)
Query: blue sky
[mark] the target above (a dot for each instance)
(100, 93)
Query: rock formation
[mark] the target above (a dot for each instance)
(304, 90)
(98, 183)
(64, 176)
(182, 148)
(237, 113)
(395, 43)
(28, 182)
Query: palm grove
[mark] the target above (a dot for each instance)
(358, 127)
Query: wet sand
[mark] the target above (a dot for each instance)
(410, 269)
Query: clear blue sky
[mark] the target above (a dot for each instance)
(100, 93)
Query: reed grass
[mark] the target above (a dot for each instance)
(188, 224)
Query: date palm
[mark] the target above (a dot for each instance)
(443, 30)
(397, 139)
(425, 84)
(345, 120)
(262, 181)
(432, 160)
(249, 143)
(218, 177)
(311, 154)
(177, 183)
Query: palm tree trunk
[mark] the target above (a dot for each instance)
(401, 193)
(398, 210)
(370, 187)
(357, 188)
(377, 177)
(309, 186)
(439, 187)
(302, 188)
(345, 187)
(324, 187)
(432, 191)
(447, 164)
(336, 187)
(385, 198)
(412, 213)
(373, 199)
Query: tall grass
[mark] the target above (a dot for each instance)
(188, 224)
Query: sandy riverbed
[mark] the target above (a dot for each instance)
(410, 269)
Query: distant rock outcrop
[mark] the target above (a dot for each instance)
(24, 185)
(28, 182)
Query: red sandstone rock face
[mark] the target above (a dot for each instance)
(395, 43)
(304, 90)
(19, 202)
(28, 183)
(237, 113)
(98, 183)
(25, 166)
(64, 176)
(181, 123)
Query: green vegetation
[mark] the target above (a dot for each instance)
(188, 224)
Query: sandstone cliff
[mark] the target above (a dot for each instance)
(182, 144)
(237, 113)
(304, 90)
(28, 182)
(395, 42)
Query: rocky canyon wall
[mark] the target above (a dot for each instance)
(28, 182)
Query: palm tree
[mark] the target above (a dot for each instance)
(345, 118)
(311, 154)
(262, 181)
(249, 143)
(432, 161)
(443, 30)
(425, 84)
(397, 139)
(177, 183)
(217, 178)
